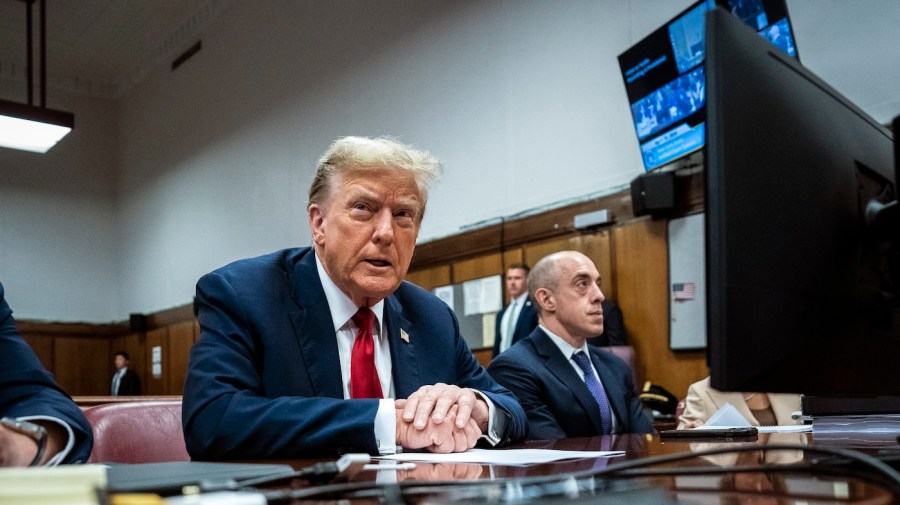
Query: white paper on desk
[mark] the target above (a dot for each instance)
(727, 416)
(512, 457)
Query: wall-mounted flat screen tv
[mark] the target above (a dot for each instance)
(665, 82)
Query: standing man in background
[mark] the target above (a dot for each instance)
(125, 382)
(517, 320)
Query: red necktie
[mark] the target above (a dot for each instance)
(364, 381)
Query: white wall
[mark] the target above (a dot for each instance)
(523, 101)
(58, 238)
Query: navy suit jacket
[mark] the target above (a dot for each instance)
(264, 379)
(556, 400)
(27, 389)
(525, 324)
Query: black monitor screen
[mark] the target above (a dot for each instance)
(664, 78)
(802, 288)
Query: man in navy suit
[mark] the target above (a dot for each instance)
(125, 381)
(518, 319)
(567, 387)
(28, 393)
(326, 350)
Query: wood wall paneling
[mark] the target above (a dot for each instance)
(82, 365)
(156, 386)
(430, 278)
(181, 338)
(42, 346)
(476, 268)
(642, 287)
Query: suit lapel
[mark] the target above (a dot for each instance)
(522, 330)
(314, 329)
(559, 366)
(403, 355)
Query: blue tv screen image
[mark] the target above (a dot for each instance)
(665, 80)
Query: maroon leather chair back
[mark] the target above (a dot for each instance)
(137, 432)
(626, 354)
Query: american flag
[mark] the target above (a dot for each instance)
(683, 291)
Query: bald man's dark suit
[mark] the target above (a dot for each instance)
(556, 400)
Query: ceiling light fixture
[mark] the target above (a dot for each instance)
(27, 126)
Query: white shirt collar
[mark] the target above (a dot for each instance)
(520, 300)
(564, 347)
(341, 306)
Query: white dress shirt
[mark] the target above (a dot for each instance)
(117, 379)
(511, 313)
(342, 311)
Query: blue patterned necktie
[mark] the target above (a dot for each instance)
(596, 390)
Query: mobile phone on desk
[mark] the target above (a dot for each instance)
(736, 434)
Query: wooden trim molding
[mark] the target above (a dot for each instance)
(28, 327)
(518, 232)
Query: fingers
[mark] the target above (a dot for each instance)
(434, 402)
(441, 471)
(418, 407)
(466, 402)
(441, 438)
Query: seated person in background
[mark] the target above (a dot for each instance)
(29, 393)
(303, 351)
(613, 327)
(568, 388)
(760, 409)
(518, 319)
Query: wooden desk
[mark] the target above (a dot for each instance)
(747, 487)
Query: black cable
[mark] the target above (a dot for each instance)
(885, 476)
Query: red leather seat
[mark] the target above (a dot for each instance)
(626, 354)
(137, 432)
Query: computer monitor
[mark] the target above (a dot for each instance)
(663, 75)
(802, 285)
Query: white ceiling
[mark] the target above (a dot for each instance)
(104, 47)
(101, 47)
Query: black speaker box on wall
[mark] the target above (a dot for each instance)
(137, 322)
(653, 193)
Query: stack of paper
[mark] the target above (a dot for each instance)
(62, 485)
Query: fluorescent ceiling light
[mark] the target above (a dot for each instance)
(32, 128)
(29, 127)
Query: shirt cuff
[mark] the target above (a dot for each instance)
(491, 435)
(60, 456)
(386, 427)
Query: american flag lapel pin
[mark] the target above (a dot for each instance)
(404, 336)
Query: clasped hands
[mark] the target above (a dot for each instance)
(441, 418)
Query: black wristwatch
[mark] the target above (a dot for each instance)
(37, 432)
